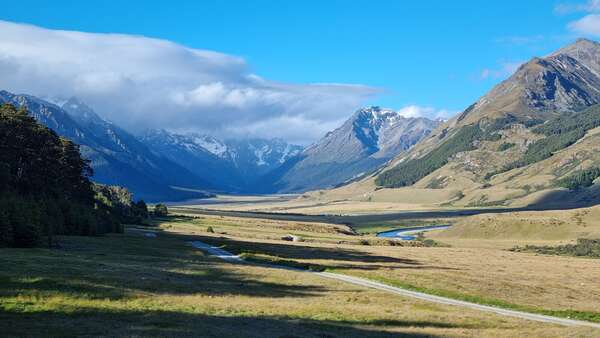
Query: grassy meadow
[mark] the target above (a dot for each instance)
(132, 285)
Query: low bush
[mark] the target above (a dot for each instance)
(583, 248)
(160, 210)
(505, 146)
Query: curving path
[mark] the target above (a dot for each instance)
(227, 256)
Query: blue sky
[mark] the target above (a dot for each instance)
(438, 54)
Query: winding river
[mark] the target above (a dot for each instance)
(409, 234)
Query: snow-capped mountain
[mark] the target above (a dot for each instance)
(154, 163)
(371, 136)
(116, 156)
(232, 165)
(259, 156)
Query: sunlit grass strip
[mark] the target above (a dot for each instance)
(569, 314)
(272, 260)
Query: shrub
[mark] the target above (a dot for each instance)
(505, 146)
(160, 210)
(583, 248)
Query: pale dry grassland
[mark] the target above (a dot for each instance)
(489, 275)
(136, 286)
(524, 227)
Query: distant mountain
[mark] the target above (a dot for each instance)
(565, 81)
(232, 165)
(532, 135)
(367, 140)
(257, 157)
(117, 157)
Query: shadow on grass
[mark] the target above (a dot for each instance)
(569, 199)
(124, 266)
(345, 258)
(124, 323)
(556, 200)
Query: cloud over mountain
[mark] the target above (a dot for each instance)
(141, 82)
(586, 25)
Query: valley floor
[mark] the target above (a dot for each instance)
(151, 282)
(158, 285)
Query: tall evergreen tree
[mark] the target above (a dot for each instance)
(45, 188)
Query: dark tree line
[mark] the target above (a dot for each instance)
(45, 188)
(465, 139)
(580, 179)
(561, 132)
(411, 171)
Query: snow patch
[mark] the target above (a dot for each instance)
(211, 145)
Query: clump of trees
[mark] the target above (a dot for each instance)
(411, 171)
(561, 132)
(505, 146)
(160, 210)
(120, 201)
(45, 188)
(585, 247)
(580, 179)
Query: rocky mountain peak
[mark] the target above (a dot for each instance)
(564, 81)
(375, 116)
(370, 137)
(235, 163)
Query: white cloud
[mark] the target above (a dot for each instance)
(588, 25)
(423, 111)
(295, 129)
(140, 82)
(588, 6)
(504, 69)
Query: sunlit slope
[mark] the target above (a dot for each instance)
(529, 140)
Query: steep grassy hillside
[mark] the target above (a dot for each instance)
(532, 140)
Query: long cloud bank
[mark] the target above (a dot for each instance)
(140, 82)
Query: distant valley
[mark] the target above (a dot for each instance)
(231, 165)
(369, 138)
(164, 165)
(151, 188)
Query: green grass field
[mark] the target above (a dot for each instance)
(131, 285)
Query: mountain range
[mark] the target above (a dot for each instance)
(116, 156)
(368, 139)
(164, 165)
(532, 140)
(233, 165)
